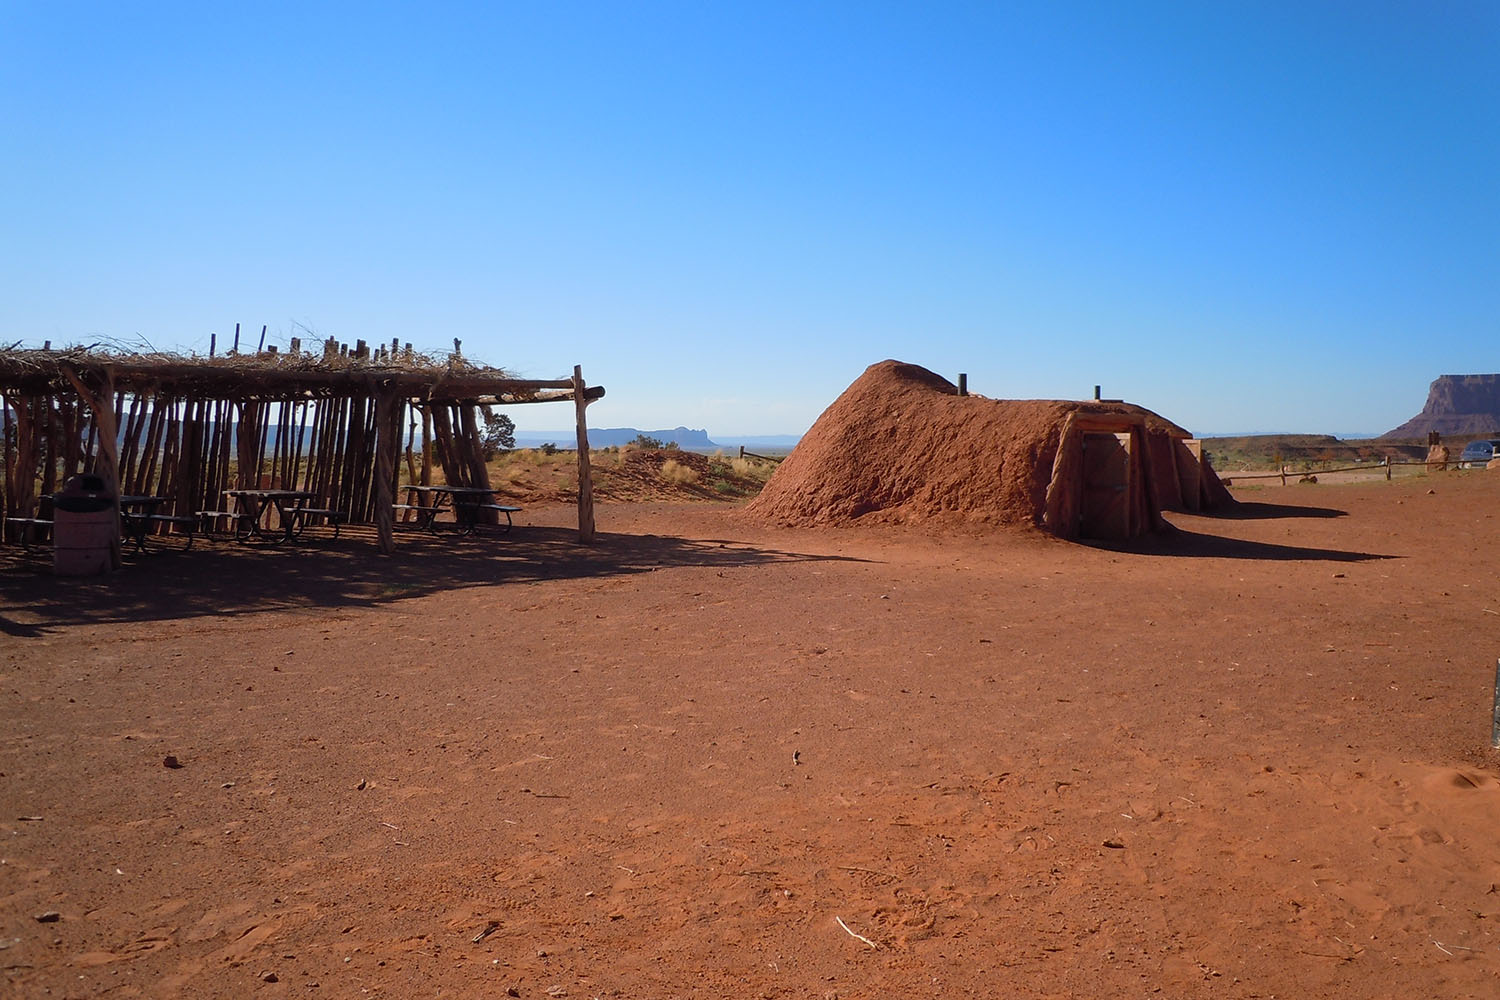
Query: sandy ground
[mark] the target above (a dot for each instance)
(1248, 760)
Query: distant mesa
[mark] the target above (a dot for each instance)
(682, 437)
(1457, 406)
(607, 437)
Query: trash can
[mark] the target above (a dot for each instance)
(85, 526)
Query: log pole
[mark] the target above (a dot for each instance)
(108, 468)
(387, 443)
(585, 480)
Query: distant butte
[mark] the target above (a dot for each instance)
(1457, 405)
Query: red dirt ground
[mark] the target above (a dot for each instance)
(1247, 760)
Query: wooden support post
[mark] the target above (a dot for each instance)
(213, 340)
(585, 481)
(387, 443)
(471, 449)
(411, 462)
(236, 348)
(22, 482)
(48, 424)
(262, 346)
(108, 465)
(963, 383)
(427, 445)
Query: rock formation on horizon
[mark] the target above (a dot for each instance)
(682, 437)
(1457, 406)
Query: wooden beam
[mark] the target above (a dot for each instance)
(591, 393)
(585, 480)
(276, 380)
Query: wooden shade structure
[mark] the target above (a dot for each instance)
(331, 423)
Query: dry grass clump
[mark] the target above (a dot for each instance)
(743, 467)
(546, 456)
(675, 472)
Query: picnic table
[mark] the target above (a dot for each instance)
(253, 520)
(468, 503)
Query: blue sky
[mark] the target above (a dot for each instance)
(1247, 216)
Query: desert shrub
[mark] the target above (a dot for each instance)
(548, 449)
(742, 466)
(499, 434)
(647, 441)
(674, 472)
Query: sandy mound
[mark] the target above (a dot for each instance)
(900, 444)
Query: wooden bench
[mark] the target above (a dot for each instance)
(209, 519)
(182, 521)
(503, 509)
(426, 516)
(30, 526)
(333, 517)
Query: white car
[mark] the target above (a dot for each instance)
(1479, 453)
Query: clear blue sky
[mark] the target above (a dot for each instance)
(1247, 216)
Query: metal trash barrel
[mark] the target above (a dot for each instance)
(85, 526)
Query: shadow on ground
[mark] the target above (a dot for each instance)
(223, 578)
(1182, 543)
(1251, 510)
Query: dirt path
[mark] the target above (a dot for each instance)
(1248, 761)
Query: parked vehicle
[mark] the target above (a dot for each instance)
(1478, 453)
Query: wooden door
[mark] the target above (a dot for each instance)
(1105, 506)
(1189, 458)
